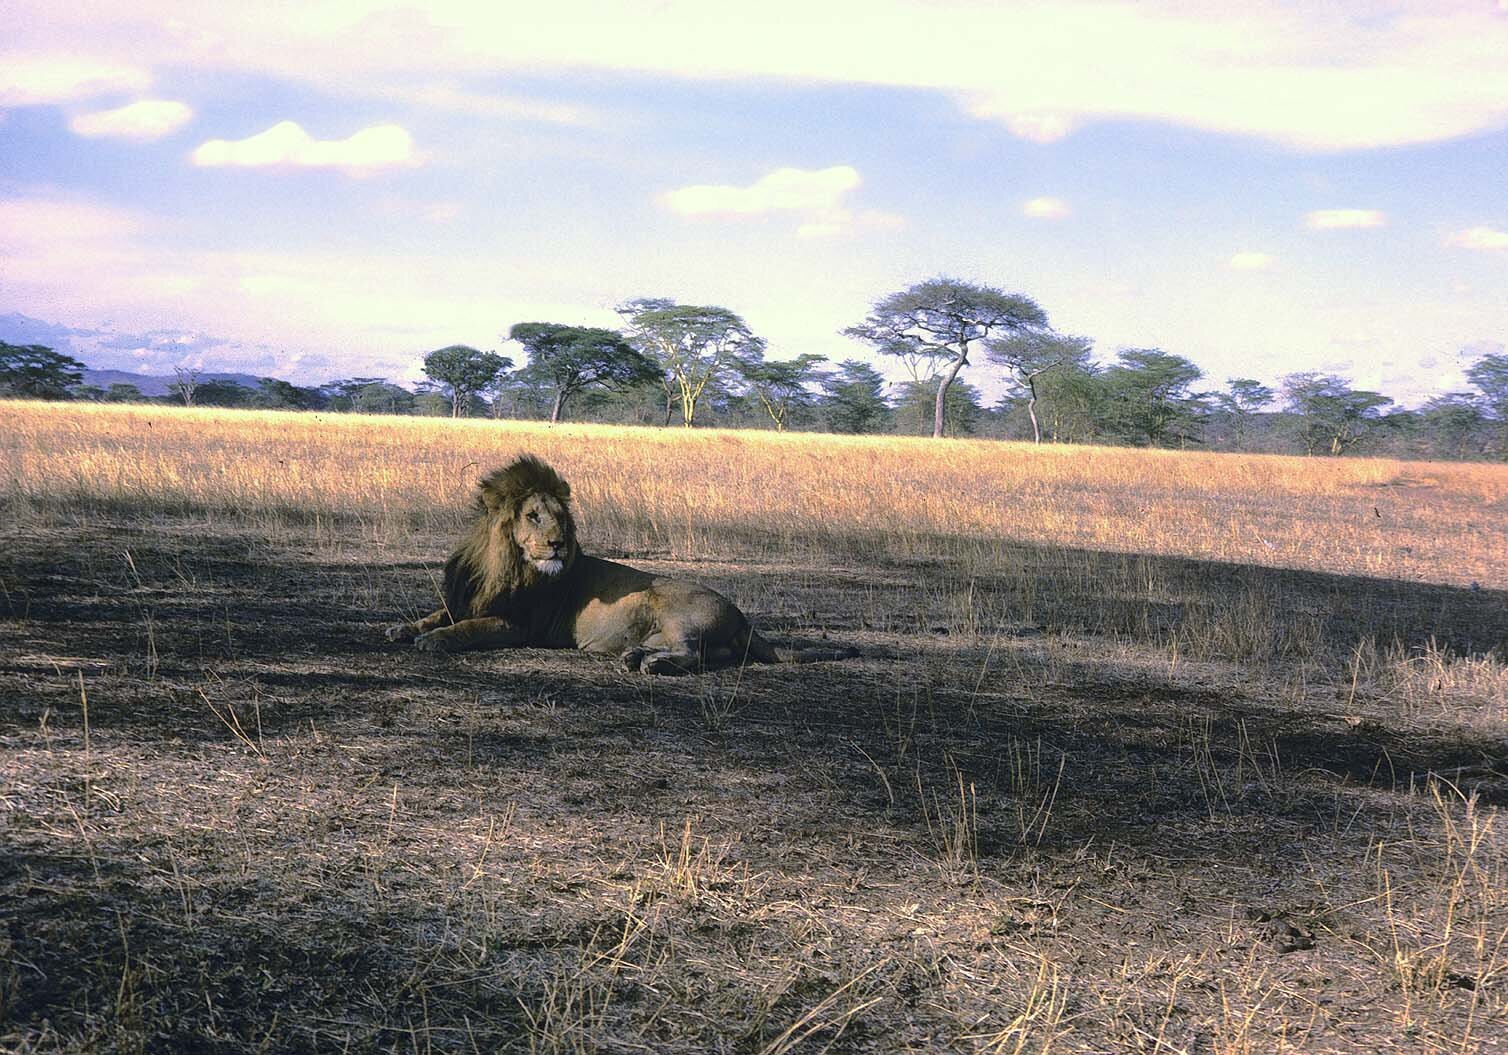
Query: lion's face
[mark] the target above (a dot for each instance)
(544, 534)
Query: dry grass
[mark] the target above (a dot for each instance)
(691, 494)
(1144, 752)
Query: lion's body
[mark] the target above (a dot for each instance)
(518, 579)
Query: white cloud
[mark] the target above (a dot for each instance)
(784, 190)
(1045, 208)
(287, 145)
(815, 196)
(1251, 261)
(1332, 219)
(144, 120)
(39, 80)
(1486, 238)
(1345, 75)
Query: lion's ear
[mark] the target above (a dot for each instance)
(488, 498)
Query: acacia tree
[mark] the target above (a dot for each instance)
(693, 344)
(1075, 400)
(569, 359)
(1490, 377)
(37, 372)
(1029, 354)
(914, 400)
(276, 393)
(186, 385)
(639, 306)
(346, 394)
(1242, 400)
(218, 392)
(121, 392)
(1330, 412)
(1455, 425)
(854, 398)
(940, 320)
(782, 385)
(463, 371)
(1149, 397)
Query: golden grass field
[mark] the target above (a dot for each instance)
(684, 491)
(1144, 751)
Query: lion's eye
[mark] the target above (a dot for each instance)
(533, 518)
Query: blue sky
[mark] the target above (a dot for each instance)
(332, 188)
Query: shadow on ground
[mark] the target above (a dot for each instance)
(341, 840)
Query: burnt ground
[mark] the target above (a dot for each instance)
(1049, 816)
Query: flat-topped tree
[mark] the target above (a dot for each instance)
(693, 344)
(1149, 399)
(1243, 399)
(1489, 375)
(940, 320)
(37, 372)
(781, 385)
(464, 371)
(569, 359)
(854, 398)
(1329, 412)
(1028, 355)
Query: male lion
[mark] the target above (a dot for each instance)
(518, 579)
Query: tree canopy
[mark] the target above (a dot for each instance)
(1330, 414)
(463, 371)
(914, 402)
(854, 399)
(1490, 377)
(1149, 400)
(939, 320)
(783, 385)
(1028, 354)
(693, 344)
(33, 371)
(571, 358)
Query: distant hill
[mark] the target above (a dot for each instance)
(153, 385)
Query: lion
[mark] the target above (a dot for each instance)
(519, 579)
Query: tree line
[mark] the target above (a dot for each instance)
(701, 364)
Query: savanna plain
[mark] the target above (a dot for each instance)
(1143, 751)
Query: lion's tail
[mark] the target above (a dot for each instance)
(751, 645)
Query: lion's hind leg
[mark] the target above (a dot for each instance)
(661, 654)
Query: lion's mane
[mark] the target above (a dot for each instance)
(488, 572)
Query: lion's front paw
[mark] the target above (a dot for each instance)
(399, 632)
(633, 659)
(430, 642)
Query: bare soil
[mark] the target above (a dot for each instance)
(234, 818)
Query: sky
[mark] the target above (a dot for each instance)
(326, 189)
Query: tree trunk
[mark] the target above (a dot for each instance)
(455, 402)
(942, 395)
(560, 398)
(1031, 408)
